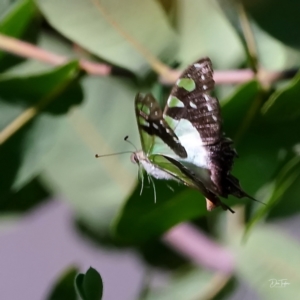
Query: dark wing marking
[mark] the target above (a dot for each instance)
(150, 119)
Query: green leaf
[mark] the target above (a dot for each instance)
(283, 105)
(269, 16)
(284, 181)
(64, 287)
(16, 19)
(243, 123)
(250, 130)
(231, 9)
(287, 203)
(114, 31)
(89, 286)
(272, 54)
(23, 154)
(236, 107)
(96, 188)
(204, 30)
(189, 285)
(268, 254)
(30, 195)
(142, 219)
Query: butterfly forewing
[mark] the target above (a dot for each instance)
(152, 126)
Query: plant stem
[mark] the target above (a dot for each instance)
(198, 248)
(28, 50)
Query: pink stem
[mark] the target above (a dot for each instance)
(27, 50)
(198, 248)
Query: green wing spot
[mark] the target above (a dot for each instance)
(144, 108)
(175, 102)
(187, 83)
(143, 122)
(170, 121)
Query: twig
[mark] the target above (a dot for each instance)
(220, 77)
(248, 35)
(28, 50)
(198, 248)
(240, 76)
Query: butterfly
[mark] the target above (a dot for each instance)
(185, 141)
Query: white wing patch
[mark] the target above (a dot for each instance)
(193, 105)
(209, 107)
(197, 65)
(190, 139)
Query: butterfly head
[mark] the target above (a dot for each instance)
(137, 156)
(134, 158)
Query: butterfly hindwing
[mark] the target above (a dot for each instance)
(190, 100)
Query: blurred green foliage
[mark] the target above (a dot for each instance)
(89, 285)
(77, 115)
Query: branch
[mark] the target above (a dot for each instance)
(28, 50)
(198, 248)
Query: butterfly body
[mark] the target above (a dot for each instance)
(150, 167)
(185, 141)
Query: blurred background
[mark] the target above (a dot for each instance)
(70, 71)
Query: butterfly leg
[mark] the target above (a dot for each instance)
(141, 175)
(154, 189)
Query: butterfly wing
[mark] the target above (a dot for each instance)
(188, 178)
(195, 117)
(156, 135)
(171, 167)
(189, 135)
(190, 100)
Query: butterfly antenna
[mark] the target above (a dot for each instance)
(128, 141)
(154, 189)
(112, 154)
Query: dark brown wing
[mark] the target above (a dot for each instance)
(199, 107)
(190, 99)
